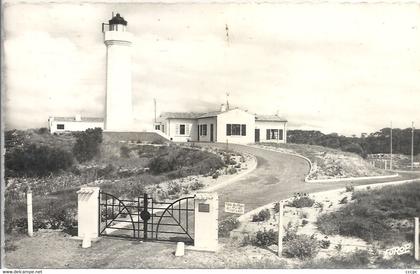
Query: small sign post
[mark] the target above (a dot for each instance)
(280, 239)
(234, 208)
(29, 212)
(416, 239)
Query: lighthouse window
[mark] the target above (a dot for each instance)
(60, 126)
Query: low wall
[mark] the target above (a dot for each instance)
(149, 137)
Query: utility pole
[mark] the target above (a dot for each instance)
(390, 161)
(412, 145)
(154, 101)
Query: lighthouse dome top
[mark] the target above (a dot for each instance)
(117, 19)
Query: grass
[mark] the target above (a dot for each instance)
(383, 215)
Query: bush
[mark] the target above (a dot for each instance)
(197, 185)
(262, 216)
(301, 200)
(232, 170)
(343, 201)
(349, 188)
(215, 175)
(190, 161)
(265, 238)
(227, 225)
(106, 172)
(174, 189)
(324, 243)
(124, 152)
(87, 144)
(36, 161)
(43, 130)
(302, 247)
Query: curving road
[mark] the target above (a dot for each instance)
(277, 176)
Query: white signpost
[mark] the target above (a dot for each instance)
(234, 208)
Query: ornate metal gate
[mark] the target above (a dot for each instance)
(146, 219)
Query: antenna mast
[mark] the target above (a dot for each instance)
(154, 101)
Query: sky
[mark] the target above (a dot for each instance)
(344, 68)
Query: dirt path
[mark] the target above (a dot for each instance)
(277, 176)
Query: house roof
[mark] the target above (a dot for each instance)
(199, 115)
(181, 115)
(211, 114)
(82, 119)
(273, 118)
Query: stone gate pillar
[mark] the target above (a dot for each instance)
(206, 221)
(88, 212)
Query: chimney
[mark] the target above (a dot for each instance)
(78, 117)
(222, 107)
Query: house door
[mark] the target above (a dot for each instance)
(211, 133)
(257, 135)
(198, 133)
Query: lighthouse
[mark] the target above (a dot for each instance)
(119, 108)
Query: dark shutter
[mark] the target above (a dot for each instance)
(228, 129)
(243, 130)
(280, 134)
(268, 134)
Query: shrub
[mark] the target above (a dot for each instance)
(106, 172)
(87, 144)
(265, 238)
(319, 205)
(324, 243)
(290, 232)
(301, 200)
(197, 185)
(227, 225)
(124, 152)
(174, 188)
(42, 130)
(343, 201)
(36, 161)
(349, 188)
(262, 216)
(302, 247)
(232, 170)
(215, 175)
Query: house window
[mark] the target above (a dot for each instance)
(274, 134)
(157, 127)
(181, 129)
(60, 126)
(203, 130)
(235, 129)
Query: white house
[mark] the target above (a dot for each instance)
(226, 125)
(76, 123)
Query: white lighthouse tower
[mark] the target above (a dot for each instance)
(119, 108)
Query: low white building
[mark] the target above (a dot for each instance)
(76, 123)
(232, 126)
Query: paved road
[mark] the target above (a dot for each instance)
(277, 176)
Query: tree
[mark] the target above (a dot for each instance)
(87, 144)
